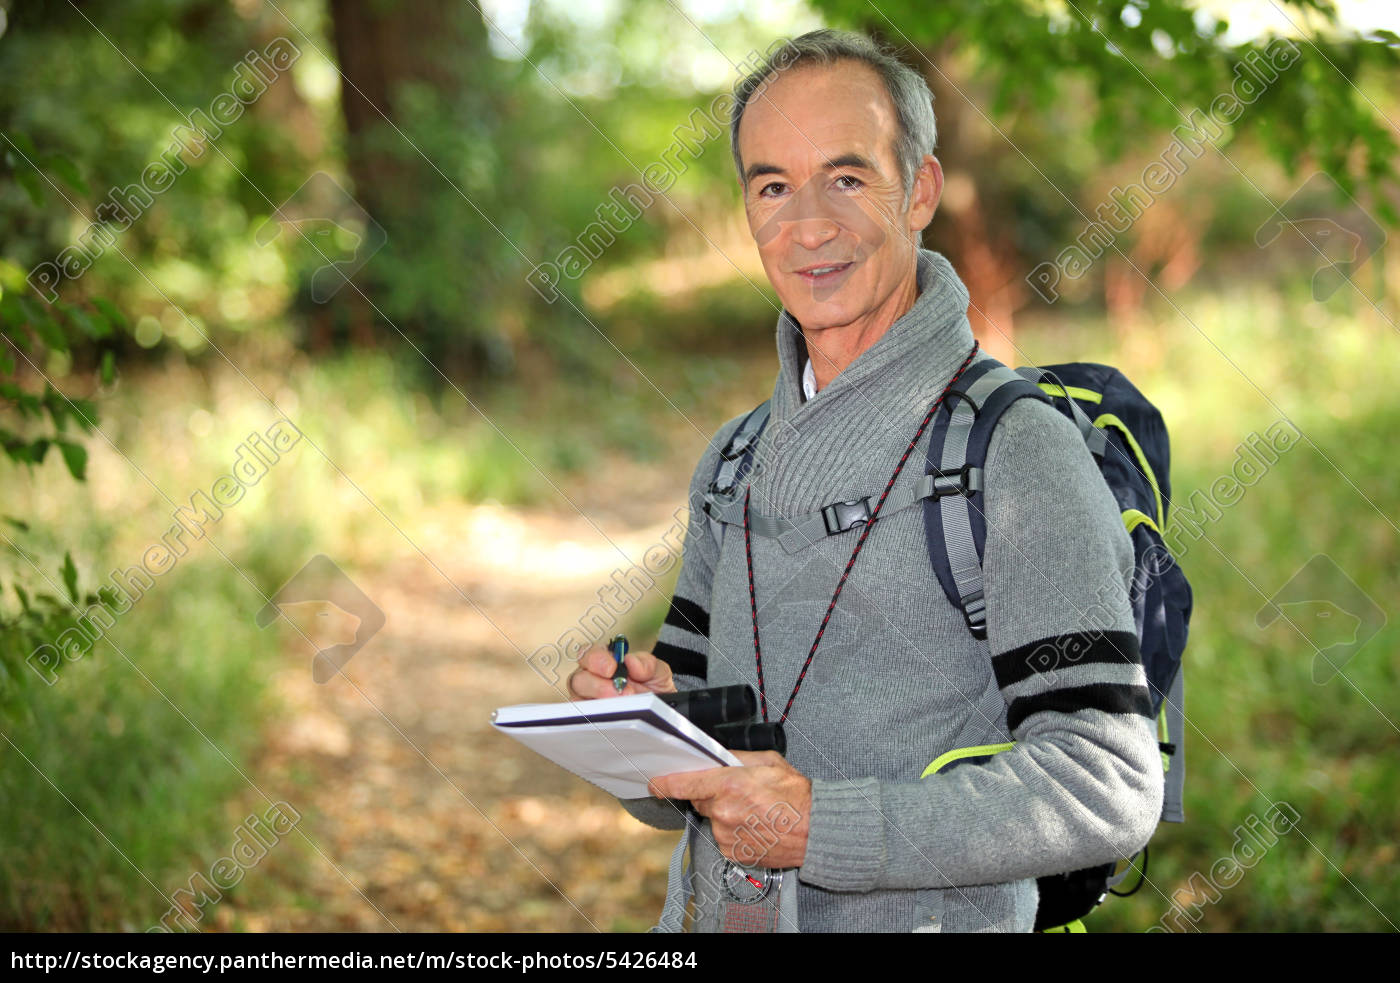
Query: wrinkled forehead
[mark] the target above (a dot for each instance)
(808, 114)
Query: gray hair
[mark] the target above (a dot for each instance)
(913, 102)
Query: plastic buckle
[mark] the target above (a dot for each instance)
(717, 497)
(738, 446)
(841, 516)
(969, 482)
(975, 614)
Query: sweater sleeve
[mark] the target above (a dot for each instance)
(684, 640)
(1083, 783)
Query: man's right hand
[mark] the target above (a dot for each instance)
(592, 679)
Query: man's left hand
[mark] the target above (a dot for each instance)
(759, 813)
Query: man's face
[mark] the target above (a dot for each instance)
(824, 197)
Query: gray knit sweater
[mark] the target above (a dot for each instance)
(898, 679)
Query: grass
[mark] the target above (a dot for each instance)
(134, 741)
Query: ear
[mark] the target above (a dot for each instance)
(928, 190)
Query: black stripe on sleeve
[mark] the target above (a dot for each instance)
(1108, 697)
(683, 662)
(688, 616)
(1064, 652)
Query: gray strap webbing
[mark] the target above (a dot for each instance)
(726, 478)
(738, 444)
(679, 885)
(1176, 734)
(802, 531)
(954, 509)
(716, 530)
(1115, 879)
(1093, 436)
(791, 534)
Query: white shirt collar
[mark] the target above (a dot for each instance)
(809, 381)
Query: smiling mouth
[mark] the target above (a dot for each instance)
(824, 273)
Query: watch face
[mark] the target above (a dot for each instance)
(746, 885)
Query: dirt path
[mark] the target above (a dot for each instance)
(427, 819)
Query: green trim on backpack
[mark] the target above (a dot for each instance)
(1088, 395)
(1164, 736)
(1109, 420)
(1132, 518)
(1068, 928)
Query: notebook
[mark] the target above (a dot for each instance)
(618, 743)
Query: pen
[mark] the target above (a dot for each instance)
(619, 651)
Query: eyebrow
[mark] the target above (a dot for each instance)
(848, 159)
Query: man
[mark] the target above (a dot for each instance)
(833, 142)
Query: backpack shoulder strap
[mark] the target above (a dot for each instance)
(735, 463)
(1050, 383)
(954, 523)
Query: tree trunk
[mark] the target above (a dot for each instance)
(970, 226)
(414, 74)
(381, 46)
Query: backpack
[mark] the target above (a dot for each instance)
(1128, 440)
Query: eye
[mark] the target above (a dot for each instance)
(849, 183)
(763, 192)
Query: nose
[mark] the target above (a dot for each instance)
(808, 217)
(813, 224)
(813, 233)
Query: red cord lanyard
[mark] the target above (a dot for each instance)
(874, 514)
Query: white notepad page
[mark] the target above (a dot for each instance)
(618, 743)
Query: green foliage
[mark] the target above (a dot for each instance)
(33, 420)
(105, 92)
(1147, 64)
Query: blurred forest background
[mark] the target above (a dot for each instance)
(389, 224)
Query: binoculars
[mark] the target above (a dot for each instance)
(727, 713)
